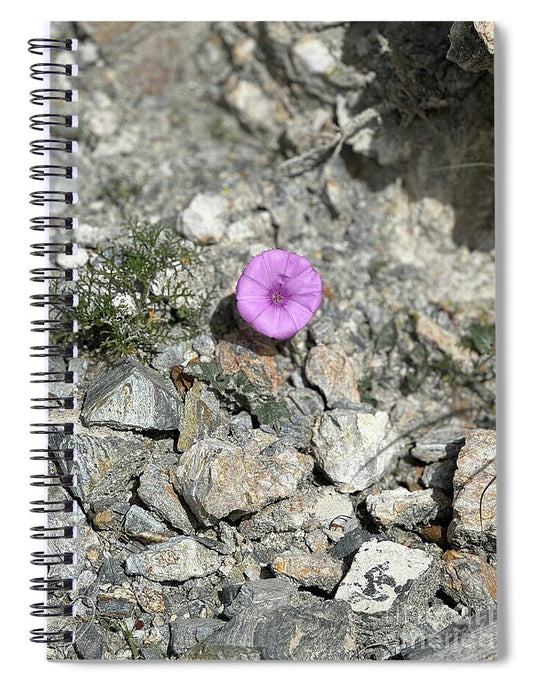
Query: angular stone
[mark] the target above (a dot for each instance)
(206, 218)
(328, 368)
(91, 644)
(117, 603)
(253, 357)
(157, 492)
(299, 627)
(386, 576)
(132, 396)
(353, 448)
(218, 478)
(473, 525)
(469, 579)
(313, 55)
(318, 570)
(186, 632)
(178, 559)
(408, 509)
(149, 595)
(443, 443)
(446, 341)
(201, 416)
(142, 526)
(309, 509)
(253, 107)
(439, 475)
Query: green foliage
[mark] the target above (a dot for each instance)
(132, 296)
(239, 393)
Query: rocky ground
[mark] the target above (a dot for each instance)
(339, 500)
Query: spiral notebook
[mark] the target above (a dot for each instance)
(265, 252)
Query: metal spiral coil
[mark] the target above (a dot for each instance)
(56, 303)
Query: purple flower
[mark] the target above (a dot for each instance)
(278, 293)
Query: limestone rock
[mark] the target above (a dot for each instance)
(352, 447)
(206, 218)
(142, 526)
(202, 415)
(443, 443)
(328, 368)
(131, 396)
(385, 577)
(156, 491)
(318, 570)
(473, 525)
(218, 478)
(408, 509)
(178, 559)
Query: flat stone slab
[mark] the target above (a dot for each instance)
(408, 509)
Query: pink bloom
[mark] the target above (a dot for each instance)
(278, 293)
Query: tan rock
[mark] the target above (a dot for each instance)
(329, 369)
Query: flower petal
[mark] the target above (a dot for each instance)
(275, 322)
(248, 287)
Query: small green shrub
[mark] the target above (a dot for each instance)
(134, 296)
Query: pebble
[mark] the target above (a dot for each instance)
(473, 525)
(385, 575)
(131, 396)
(219, 478)
(202, 415)
(186, 632)
(205, 219)
(252, 356)
(75, 261)
(328, 369)
(408, 509)
(313, 55)
(144, 527)
(469, 579)
(178, 559)
(252, 105)
(116, 603)
(352, 447)
(149, 595)
(318, 570)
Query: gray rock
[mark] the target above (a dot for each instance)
(204, 345)
(401, 507)
(144, 527)
(206, 218)
(308, 401)
(346, 547)
(469, 46)
(156, 491)
(473, 524)
(218, 478)
(469, 579)
(119, 602)
(259, 593)
(131, 396)
(385, 577)
(177, 559)
(303, 627)
(177, 354)
(186, 632)
(328, 368)
(319, 570)
(439, 475)
(309, 509)
(90, 642)
(353, 448)
(443, 443)
(202, 415)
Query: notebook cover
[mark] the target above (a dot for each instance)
(284, 443)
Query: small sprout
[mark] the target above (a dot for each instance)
(278, 293)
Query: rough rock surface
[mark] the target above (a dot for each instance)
(408, 509)
(473, 526)
(385, 576)
(219, 479)
(328, 368)
(310, 569)
(156, 491)
(353, 448)
(178, 559)
(130, 396)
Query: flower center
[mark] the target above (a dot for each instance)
(277, 297)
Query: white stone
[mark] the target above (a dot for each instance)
(205, 219)
(314, 55)
(383, 574)
(79, 259)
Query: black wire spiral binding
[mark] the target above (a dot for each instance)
(51, 324)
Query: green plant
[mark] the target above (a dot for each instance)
(134, 295)
(239, 393)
